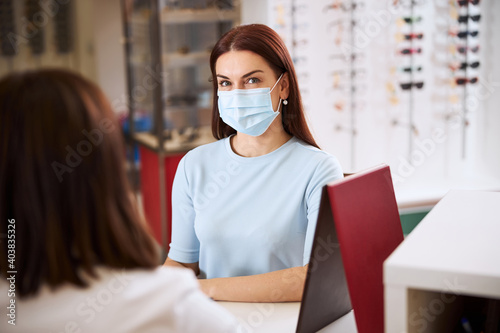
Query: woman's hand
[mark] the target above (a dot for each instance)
(285, 285)
(193, 266)
(208, 287)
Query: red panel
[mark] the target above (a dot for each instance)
(150, 187)
(369, 230)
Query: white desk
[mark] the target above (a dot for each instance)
(279, 317)
(454, 251)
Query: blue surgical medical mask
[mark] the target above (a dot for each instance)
(248, 111)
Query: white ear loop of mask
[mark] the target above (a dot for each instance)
(279, 104)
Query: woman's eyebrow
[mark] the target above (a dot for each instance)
(244, 76)
(252, 72)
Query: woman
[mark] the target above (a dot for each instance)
(75, 254)
(245, 206)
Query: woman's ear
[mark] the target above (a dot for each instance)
(284, 86)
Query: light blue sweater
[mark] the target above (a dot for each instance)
(248, 215)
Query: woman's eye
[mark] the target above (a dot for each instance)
(253, 80)
(224, 83)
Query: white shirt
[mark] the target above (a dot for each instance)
(161, 300)
(241, 216)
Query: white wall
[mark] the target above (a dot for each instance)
(109, 51)
(254, 11)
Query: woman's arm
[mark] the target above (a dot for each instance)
(285, 285)
(172, 263)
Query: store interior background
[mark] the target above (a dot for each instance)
(435, 138)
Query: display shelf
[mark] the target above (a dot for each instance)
(178, 142)
(139, 21)
(447, 262)
(176, 60)
(181, 117)
(184, 16)
(167, 53)
(418, 195)
(180, 16)
(139, 60)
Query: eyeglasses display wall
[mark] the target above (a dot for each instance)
(402, 82)
(34, 34)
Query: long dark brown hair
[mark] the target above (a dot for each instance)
(264, 41)
(63, 183)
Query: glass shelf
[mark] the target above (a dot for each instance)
(176, 16)
(168, 45)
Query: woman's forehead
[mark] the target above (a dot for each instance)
(238, 63)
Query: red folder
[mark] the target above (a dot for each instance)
(368, 228)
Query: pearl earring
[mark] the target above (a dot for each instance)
(285, 102)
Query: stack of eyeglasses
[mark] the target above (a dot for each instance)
(336, 4)
(342, 22)
(456, 65)
(411, 50)
(466, 33)
(63, 23)
(463, 3)
(7, 26)
(36, 40)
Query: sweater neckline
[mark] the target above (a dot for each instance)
(264, 157)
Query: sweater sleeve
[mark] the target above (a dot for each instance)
(326, 172)
(185, 245)
(169, 299)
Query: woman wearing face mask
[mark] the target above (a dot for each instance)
(245, 206)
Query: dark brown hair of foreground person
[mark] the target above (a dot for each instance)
(264, 41)
(65, 188)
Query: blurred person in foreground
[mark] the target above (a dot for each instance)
(70, 230)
